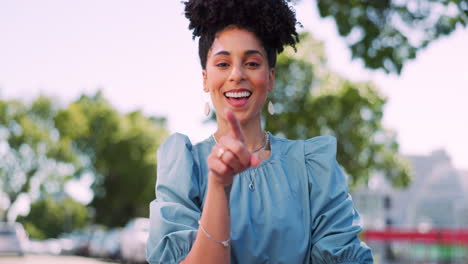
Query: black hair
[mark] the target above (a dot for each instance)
(272, 21)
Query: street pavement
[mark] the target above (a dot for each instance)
(36, 259)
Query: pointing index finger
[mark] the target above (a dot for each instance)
(235, 126)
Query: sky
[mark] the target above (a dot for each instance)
(142, 56)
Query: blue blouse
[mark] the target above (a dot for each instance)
(299, 210)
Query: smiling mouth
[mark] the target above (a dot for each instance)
(238, 95)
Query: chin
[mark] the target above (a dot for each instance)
(245, 117)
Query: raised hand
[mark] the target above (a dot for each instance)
(230, 156)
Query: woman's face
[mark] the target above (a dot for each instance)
(237, 74)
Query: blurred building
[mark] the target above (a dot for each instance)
(373, 202)
(436, 198)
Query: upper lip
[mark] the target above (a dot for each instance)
(238, 90)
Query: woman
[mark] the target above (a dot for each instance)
(243, 195)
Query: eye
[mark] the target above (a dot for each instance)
(252, 64)
(222, 65)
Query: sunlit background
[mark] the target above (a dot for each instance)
(142, 57)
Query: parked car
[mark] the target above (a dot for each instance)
(112, 240)
(52, 246)
(134, 237)
(66, 244)
(96, 243)
(37, 247)
(82, 240)
(13, 238)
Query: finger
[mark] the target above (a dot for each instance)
(218, 167)
(218, 150)
(229, 159)
(235, 126)
(254, 160)
(237, 148)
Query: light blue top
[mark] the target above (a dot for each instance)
(299, 212)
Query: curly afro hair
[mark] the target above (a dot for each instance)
(272, 21)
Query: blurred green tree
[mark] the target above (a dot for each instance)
(42, 147)
(122, 151)
(32, 160)
(385, 33)
(49, 217)
(310, 100)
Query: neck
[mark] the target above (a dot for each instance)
(253, 133)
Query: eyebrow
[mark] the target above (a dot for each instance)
(248, 52)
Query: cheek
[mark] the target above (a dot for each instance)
(261, 80)
(215, 85)
(215, 81)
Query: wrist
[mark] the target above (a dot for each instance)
(216, 181)
(214, 185)
(219, 190)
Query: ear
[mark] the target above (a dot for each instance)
(205, 88)
(271, 84)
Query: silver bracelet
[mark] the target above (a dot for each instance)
(224, 243)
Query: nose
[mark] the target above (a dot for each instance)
(237, 74)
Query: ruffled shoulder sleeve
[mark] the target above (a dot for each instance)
(335, 223)
(177, 208)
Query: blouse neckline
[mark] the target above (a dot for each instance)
(273, 151)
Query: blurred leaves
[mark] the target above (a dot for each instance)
(42, 146)
(29, 160)
(311, 101)
(122, 151)
(50, 217)
(385, 34)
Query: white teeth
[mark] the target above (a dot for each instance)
(237, 94)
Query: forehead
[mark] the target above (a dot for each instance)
(236, 40)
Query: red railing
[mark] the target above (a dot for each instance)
(437, 236)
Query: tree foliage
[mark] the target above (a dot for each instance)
(122, 151)
(49, 217)
(311, 101)
(385, 33)
(32, 160)
(42, 146)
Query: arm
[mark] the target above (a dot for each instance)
(228, 157)
(177, 207)
(174, 215)
(215, 220)
(335, 222)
